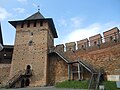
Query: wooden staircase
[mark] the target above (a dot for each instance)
(95, 80)
(81, 62)
(95, 74)
(17, 77)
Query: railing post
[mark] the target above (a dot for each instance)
(69, 72)
(90, 82)
(82, 76)
(78, 71)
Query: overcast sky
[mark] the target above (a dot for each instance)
(74, 19)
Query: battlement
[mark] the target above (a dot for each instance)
(110, 38)
(82, 44)
(95, 40)
(60, 47)
(70, 46)
(111, 34)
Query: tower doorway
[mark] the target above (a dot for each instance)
(27, 82)
(28, 68)
(22, 83)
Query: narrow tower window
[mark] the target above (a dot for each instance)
(30, 43)
(34, 23)
(28, 24)
(28, 67)
(31, 33)
(22, 25)
(82, 46)
(95, 43)
(41, 23)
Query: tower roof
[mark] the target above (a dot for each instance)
(35, 16)
(1, 39)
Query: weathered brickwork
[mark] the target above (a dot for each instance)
(107, 58)
(31, 48)
(58, 69)
(111, 34)
(95, 40)
(60, 47)
(70, 46)
(34, 55)
(83, 44)
(4, 73)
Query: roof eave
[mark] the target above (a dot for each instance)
(13, 23)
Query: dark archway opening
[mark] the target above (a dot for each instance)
(27, 82)
(22, 83)
(95, 43)
(28, 69)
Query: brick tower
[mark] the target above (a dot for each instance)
(34, 36)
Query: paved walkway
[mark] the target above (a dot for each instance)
(42, 88)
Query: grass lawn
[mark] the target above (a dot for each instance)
(109, 85)
(73, 84)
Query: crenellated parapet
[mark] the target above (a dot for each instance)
(110, 38)
(95, 40)
(60, 47)
(83, 44)
(70, 46)
(111, 34)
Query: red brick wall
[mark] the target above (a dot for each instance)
(58, 69)
(108, 58)
(4, 73)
